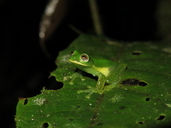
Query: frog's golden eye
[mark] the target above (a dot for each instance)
(84, 57)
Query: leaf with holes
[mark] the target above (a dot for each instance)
(142, 97)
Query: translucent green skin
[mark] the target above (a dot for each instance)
(107, 71)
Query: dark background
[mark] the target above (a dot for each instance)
(24, 69)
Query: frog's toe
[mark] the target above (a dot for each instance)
(90, 91)
(108, 87)
(71, 82)
(81, 91)
(82, 79)
(90, 87)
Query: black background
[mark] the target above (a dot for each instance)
(24, 69)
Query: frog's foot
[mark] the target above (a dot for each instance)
(73, 77)
(109, 87)
(90, 91)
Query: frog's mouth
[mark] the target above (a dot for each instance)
(76, 62)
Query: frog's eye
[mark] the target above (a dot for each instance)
(72, 53)
(84, 57)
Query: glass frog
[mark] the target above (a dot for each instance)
(108, 72)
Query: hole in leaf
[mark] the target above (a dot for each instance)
(45, 125)
(53, 84)
(142, 84)
(147, 99)
(137, 53)
(133, 82)
(161, 117)
(130, 82)
(140, 122)
(25, 101)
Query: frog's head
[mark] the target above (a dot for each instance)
(80, 59)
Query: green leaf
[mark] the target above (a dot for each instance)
(141, 99)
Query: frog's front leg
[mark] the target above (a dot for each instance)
(98, 89)
(72, 77)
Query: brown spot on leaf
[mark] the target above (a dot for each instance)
(137, 53)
